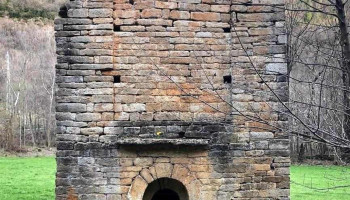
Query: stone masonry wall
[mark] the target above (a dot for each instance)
(177, 89)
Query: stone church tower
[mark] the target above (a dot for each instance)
(171, 99)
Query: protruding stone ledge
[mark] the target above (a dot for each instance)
(155, 141)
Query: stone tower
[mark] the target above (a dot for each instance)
(171, 99)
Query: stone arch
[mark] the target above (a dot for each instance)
(169, 175)
(166, 184)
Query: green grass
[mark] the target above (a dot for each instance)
(34, 179)
(27, 178)
(306, 179)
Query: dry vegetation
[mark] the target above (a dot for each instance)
(318, 83)
(26, 9)
(27, 59)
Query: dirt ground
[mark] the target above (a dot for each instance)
(30, 152)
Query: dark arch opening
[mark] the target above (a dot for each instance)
(165, 194)
(165, 189)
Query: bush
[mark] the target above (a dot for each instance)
(29, 9)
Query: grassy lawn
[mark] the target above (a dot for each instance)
(27, 178)
(34, 179)
(320, 177)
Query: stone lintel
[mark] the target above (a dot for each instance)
(156, 141)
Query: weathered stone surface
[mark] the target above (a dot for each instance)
(146, 175)
(261, 135)
(153, 91)
(179, 14)
(143, 161)
(92, 131)
(88, 117)
(205, 16)
(163, 169)
(139, 184)
(70, 107)
(276, 68)
(113, 130)
(136, 107)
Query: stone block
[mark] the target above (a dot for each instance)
(105, 107)
(70, 107)
(282, 39)
(88, 117)
(113, 130)
(220, 8)
(92, 131)
(163, 169)
(100, 13)
(261, 135)
(132, 130)
(146, 175)
(139, 184)
(174, 14)
(135, 107)
(151, 13)
(205, 16)
(143, 162)
(166, 5)
(78, 13)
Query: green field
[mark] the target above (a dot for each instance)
(27, 178)
(313, 182)
(34, 179)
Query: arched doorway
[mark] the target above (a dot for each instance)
(166, 189)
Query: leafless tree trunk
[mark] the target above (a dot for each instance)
(319, 71)
(28, 89)
(345, 45)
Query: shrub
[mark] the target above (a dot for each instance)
(29, 9)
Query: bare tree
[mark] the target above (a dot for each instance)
(28, 56)
(318, 61)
